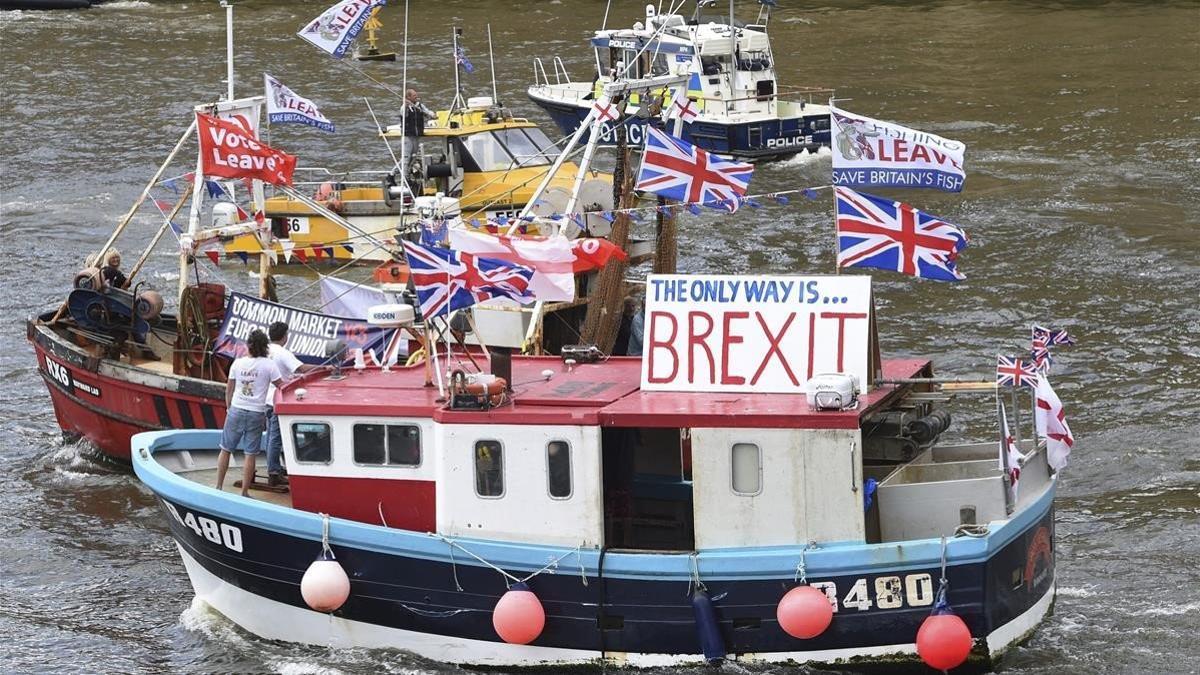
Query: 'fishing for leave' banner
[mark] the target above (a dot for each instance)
(308, 332)
(230, 151)
(871, 153)
(285, 106)
(334, 31)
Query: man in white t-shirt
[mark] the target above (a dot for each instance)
(250, 377)
(288, 365)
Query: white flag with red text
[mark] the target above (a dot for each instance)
(1052, 424)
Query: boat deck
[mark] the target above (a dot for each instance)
(200, 466)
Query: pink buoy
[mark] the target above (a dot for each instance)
(325, 585)
(804, 612)
(944, 641)
(519, 617)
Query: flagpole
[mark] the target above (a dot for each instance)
(1007, 477)
(167, 217)
(228, 49)
(1016, 406)
(492, 65)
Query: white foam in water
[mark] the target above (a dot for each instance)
(302, 668)
(1069, 592)
(822, 154)
(124, 4)
(1170, 610)
(202, 619)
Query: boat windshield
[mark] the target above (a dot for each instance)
(506, 149)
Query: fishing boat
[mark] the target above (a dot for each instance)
(735, 106)
(630, 511)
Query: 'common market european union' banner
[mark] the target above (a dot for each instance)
(871, 153)
(334, 31)
(285, 106)
(308, 332)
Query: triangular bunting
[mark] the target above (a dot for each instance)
(287, 247)
(302, 254)
(214, 257)
(349, 248)
(244, 256)
(329, 252)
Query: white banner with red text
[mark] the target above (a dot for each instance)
(763, 334)
(871, 153)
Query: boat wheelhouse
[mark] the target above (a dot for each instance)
(480, 155)
(740, 109)
(618, 507)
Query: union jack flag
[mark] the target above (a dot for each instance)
(678, 170)
(1015, 372)
(875, 232)
(1042, 339)
(447, 280)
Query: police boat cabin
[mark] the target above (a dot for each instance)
(768, 490)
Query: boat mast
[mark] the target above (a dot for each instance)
(228, 49)
(492, 65)
(732, 56)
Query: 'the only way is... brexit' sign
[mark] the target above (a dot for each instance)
(767, 334)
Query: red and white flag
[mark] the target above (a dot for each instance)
(229, 150)
(1052, 424)
(550, 258)
(683, 107)
(1008, 446)
(593, 253)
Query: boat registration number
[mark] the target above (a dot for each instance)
(224, 534)
(62, 375)
(296, 225)
(888, 592)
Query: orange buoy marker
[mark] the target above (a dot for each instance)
(325, 585)
(804, 612)
(519, 617)
(944, 641)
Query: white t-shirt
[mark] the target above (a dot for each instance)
(285, 361)
(253, 377)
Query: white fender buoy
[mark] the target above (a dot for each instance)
(519, 617)
(325, 586)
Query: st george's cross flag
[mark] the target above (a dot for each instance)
(1008, 447)
(683, 107)
(448, 280)
(1052, 424)
(881, 233)
(1015, 372)
(678, 170)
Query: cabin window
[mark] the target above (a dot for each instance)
(489, 469)
(747, 469)
(390, 444)
(311, 440)
(524, 149)
(487, 152)
(558, 469)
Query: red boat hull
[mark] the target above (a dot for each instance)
(107, 401)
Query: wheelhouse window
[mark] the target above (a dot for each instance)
(746, 469)
(311, 440)
(526, 148)
(486, 153)
(489, 469)
(558, 469)
(387, 444)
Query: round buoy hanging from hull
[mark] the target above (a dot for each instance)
(325, 586)
(519, 617)
(944, 641)
(804, 612)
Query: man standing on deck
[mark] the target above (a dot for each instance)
(415, 116)
(288, 365)
(246, 401)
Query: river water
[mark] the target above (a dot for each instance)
(1081, 203)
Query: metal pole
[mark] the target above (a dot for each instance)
(228, 49)
(137, 267)
(1016, 406)
(454, 62)
(732, 53)
(1007, 478)
(562, 157)
(492, 64)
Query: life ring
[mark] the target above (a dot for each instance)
(493, 388)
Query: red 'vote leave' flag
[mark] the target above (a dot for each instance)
(229, 151)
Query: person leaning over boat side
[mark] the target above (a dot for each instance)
(288, 365)
(246, 398)
(415, 116)
(111, 272)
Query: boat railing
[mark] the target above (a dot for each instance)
(808, 94)
(541, 79)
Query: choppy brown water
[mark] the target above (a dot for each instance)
(1081, 200)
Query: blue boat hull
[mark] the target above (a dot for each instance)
(757, 140)
(631, 603)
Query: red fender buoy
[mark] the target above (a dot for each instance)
(519, 617)
(804, 612)
(944, 641)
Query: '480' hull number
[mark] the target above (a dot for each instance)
(893, 592)
(224, 534)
